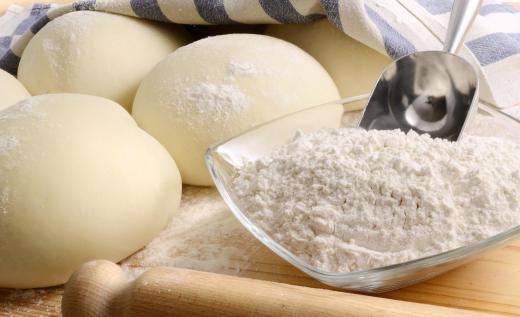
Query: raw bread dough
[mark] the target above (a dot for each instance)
(96, 53)
(11, 90)
(354, 67)
(79, 180)
(217, 87)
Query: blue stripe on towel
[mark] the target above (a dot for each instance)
(396, 45)
(148, 9)
(283, 12)
(84, 5)
(497, 8)
(40, 23)
(5, 41)
(436, 6)
(9, 62)
(213, 11)
(494, 47)
(331, 8)
(37, 11)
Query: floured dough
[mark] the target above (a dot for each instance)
(354, 67)
(11, 90)
(79, 180)
(217, 87)
(96, 53)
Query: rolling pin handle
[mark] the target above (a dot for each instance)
(92, 289)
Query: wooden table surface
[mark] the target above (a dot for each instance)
(491, 283)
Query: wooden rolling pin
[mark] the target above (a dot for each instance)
(101, 289)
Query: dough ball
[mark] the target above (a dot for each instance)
(220, 86)
(79, 180)
(354, 67)
(11, 90)
(96, 53)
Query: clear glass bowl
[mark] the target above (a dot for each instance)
(224, 158)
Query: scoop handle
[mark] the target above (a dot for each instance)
(462, 15)
(101, 289)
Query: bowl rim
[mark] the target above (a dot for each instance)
(384, 271)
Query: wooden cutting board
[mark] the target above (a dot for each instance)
(204, 235)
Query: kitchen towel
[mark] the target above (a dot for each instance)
(394, 28)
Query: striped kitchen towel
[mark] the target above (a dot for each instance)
(394, 28)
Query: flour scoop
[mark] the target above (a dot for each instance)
(432, 92)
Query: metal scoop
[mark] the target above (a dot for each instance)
(432, 92)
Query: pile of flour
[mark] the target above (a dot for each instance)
(350, 199)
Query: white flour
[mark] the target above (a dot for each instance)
(203, 236)
(206, 100)
(242, 68)
(348, 199)
(4, 200)
(7, 143)
(63, 48)
(25, 109)
(221, 102)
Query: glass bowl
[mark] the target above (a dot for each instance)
(224, 158)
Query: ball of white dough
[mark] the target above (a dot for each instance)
(217, 87)
(11, 90)
(79, 180)
(96, 53)
(354, 67)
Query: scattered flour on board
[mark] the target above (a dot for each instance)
(350, 199)
(31, 302)
(203, 235)
(4, 200)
